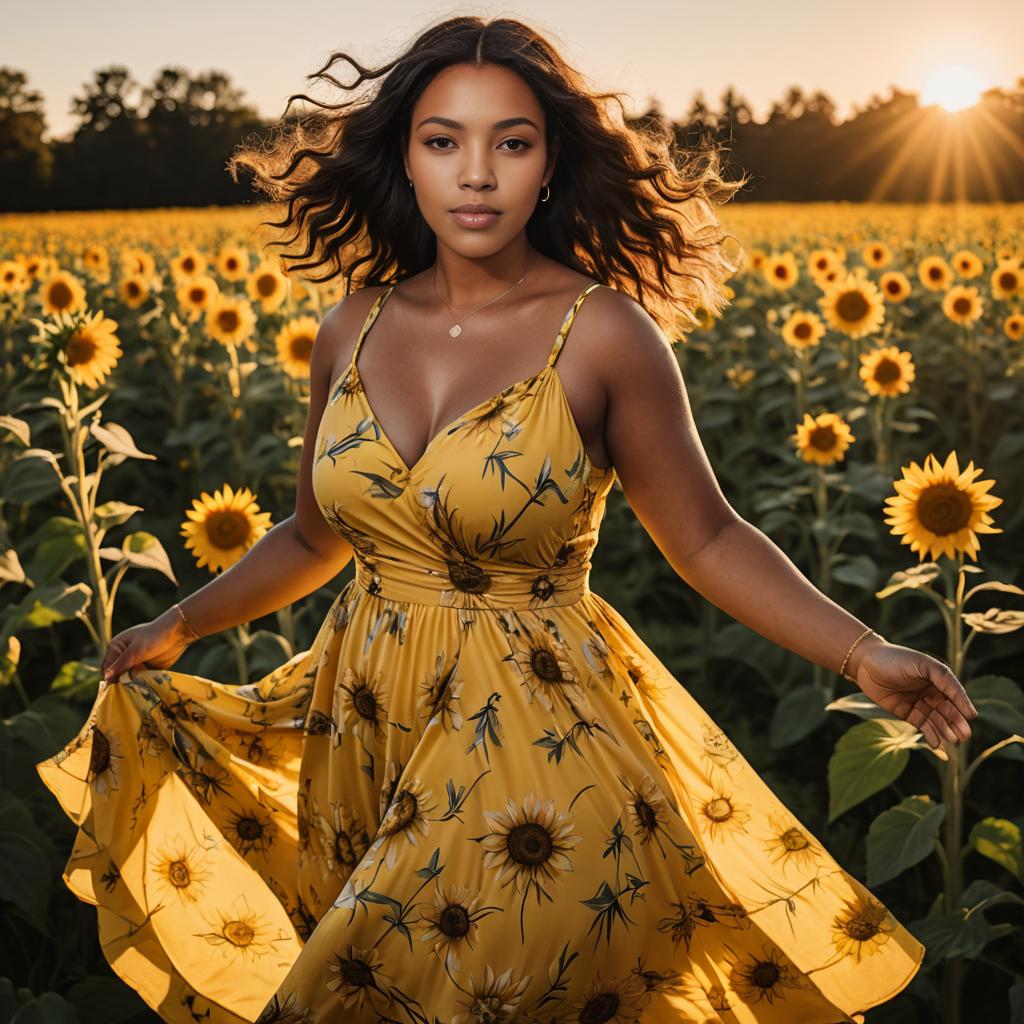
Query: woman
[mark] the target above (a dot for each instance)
(479, 796)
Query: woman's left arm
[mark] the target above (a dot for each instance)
(670, 486)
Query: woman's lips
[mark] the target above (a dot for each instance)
(474, 220)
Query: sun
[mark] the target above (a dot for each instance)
(952, 87)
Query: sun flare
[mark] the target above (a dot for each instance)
(953, 87)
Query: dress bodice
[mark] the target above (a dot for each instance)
(502, 509)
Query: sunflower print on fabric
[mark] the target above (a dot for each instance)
(478, 796)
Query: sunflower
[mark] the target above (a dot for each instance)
(62, 293)
(854, 305)
(739, 376)
(138, 261)
(267, 285)
(757, 259)
(220, 529)
(876, 255)
(493, 998)
(295, 346)
(13, 277)
(1006, 279)
(187, 263)
(894, 285)
(939, 510)
(1013, 326)
(451, 924)
(967, 264)
(780, 270)
(962, 304)
(863, 928)
(822, 439)
(92, 350)
(803, 330)
(935, 273)
(823, 261)
(233, 262)
(39, 266)
(529, 844)
(230, 320)
(887, 371)
(133, 290)
(195, 294)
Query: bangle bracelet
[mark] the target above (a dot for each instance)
(190, 629)
(842, 670)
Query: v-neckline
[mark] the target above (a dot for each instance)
(508, 389)
(408, 470)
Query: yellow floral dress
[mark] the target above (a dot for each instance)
(477, 797)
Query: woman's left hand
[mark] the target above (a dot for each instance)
(918, 688)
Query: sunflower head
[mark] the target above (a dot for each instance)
(222, 527)
(939, 510)
(1007, 279)
(267, 285)
(803, 330)
(780, 270)
(967, 264)
(876, 255)
(295, 346)
(962, 304)
(887, 371)
(822, 439)
(229, 319)
(133, 290)
(63, 292)
(1013, 326)
(935, 273)
(853, 305)
(894, 286)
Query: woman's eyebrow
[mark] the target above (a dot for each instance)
(509, 122)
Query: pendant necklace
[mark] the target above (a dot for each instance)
(456, 328)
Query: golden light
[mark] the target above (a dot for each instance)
(953, 87)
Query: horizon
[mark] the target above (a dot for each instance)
(947, 62)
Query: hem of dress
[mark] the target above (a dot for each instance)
(916, 967)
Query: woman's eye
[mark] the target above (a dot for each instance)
(523, 144)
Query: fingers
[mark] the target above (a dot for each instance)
(951, 688)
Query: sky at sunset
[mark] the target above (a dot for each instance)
(648, 48)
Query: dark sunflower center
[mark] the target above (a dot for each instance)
(227, 530)
(529, 844)
(178, 873)
(249, 828)
(80, 349)
(943, 509)
(238, 933)
(602, 1007)
(99, 758)
(227, 320)
(823, 438)
(454, 921)
(887, 371)
(545, 665)
(60, 295)
(765, 974)
(852, 306)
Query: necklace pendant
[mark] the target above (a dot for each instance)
(455, 330)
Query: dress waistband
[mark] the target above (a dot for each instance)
(464, 584)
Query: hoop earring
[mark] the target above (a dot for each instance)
(548, 196)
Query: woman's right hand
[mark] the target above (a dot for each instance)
(156, 644)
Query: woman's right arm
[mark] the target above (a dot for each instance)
(295, 558)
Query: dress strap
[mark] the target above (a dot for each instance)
(370, 317)
(567, 322)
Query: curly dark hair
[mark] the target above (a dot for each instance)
(627, 208)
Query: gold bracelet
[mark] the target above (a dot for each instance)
(187, 626)
(842, 670)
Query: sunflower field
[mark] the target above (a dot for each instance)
(861, 403)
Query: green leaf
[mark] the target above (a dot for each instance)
(52, 602)
(867, 758)
(796, 715)
(902, 837)
(28, 480)
(1000, 702)
(24, 864)
(19, 428)
(962, 933)
(117, 440)
(860, 571)
(102, 1000)
(49, 1008)
(114, 513)
(1000, 840)
(145, 551)
(58, 543)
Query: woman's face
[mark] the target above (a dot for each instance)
(477, 136)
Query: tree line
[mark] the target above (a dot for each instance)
(167, 143)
